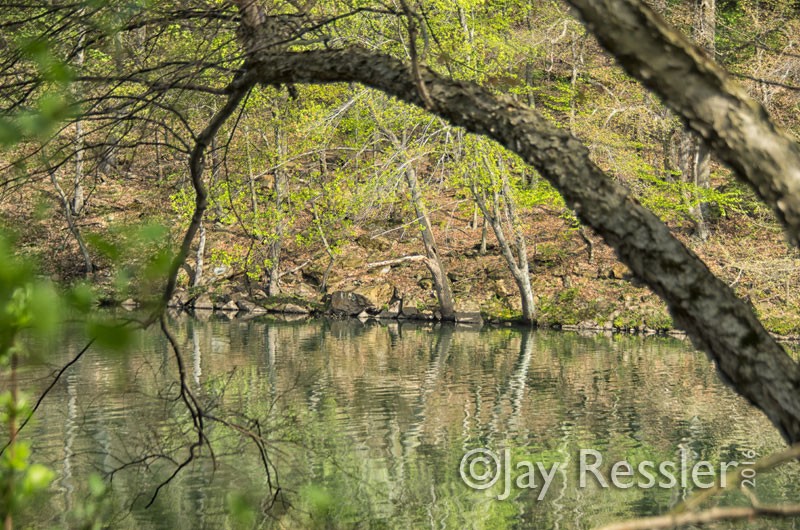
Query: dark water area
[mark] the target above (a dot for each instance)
(366, 425)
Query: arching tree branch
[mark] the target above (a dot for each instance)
(733, 124)
(718, 322)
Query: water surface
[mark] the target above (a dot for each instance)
(365, 425)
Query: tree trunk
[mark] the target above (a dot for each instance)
(78, 199)
(88, 268)
(695, 157)
(279, 185)
(518, 265)
(440, 281)
(197, 279)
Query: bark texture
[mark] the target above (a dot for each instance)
(734, 125)
(718, 322)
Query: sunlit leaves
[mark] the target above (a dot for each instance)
(139, 252)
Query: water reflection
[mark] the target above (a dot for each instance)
(367, 423)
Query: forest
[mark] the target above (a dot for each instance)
(192, 178)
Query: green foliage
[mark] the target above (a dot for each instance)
(674, 200)
(140, 252)
(26, 305)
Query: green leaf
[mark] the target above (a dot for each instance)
(109, 335)
(37, 478)
(97, 487)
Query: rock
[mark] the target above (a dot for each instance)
(468, 317)
(587, 324)
(468, 306)
(180, 298)
(409, 311)
(352, 261)
(377, 295)
(294, 309)
(619, 271)
(249, 307)
(348, 303)
(130, 304)
(378, 243)
(228, 315)
(173, 312)
(392, 312)
(364, 315)
(425, 283)
(230, 306)
(203, 302)
(500, 289)
(258, 294)
(304, 290)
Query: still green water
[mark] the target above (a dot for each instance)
(366, 425)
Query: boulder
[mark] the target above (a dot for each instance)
(425, 283)
(378, 243)
(202, 314)
(203, 302)
(352, 261)
(393, 311)
(378, 295)
(500, 289)
(468, 306)
(468, 317)
(348, 303)
(180, 298)
(294, 309)
(228, 315)
(304, 290)
(230, 306)
(130, 304)
(249, 307)
(409, 311)
(619, 271)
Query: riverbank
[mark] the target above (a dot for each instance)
(577, 281)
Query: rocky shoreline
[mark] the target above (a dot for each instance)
(361, 304)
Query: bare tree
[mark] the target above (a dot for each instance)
(496, 202)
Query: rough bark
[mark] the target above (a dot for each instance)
(734, 125)
(718, 322)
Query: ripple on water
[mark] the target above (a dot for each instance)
(380, 416)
